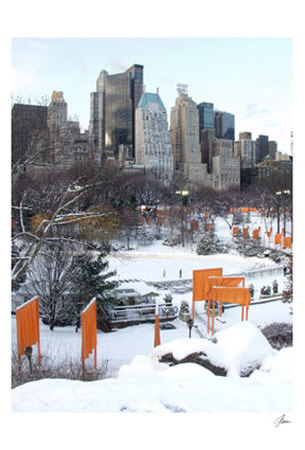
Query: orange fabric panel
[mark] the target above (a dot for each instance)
(88, 318)
(224, 281)
(157, 340)
(27, 322)
(240, 296)
(269, 233)
(277, 238)
(256, 233)
(200, 282)
(235, 230)
(244, 210)
(287, 242)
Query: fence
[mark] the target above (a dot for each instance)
(141, 313)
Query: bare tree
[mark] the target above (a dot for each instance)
(51, 277)
(64, 212)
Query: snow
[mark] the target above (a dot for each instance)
(25, 303)
(145, 385)
(236, 348)
(243, 346)
(135, 264)
(138, 382)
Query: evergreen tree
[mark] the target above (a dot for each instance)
(210, 244)
(92, 280)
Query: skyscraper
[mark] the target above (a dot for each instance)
(93, 123)
(245, 149)
(68, 145)
(29, 123)
(206, 132)
(226, 167)
(272, 149)
(57, 111)
(261, 147)
(225, 125)
(185, 132)
(184, 135)
(153, 148)
(112, 110)
(206, 115)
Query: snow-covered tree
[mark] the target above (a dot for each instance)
(210, 244)
(60, 208)
(51, 277)
(92, 279)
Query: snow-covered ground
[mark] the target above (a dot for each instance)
(146, 385)
(137, 382)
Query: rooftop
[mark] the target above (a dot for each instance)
(148, 97)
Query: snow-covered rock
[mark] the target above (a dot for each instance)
(244, 348)
(235, 351)
(199, 351)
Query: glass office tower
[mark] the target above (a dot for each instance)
(117, 97)
(224, 125)
(206, 115)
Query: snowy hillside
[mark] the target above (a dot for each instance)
(146, 385)
(136, 381)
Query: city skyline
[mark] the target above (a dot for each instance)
(248, 77)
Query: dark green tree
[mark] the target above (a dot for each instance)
(92, 279)
(210, 244)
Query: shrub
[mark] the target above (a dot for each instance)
(279, 335)
(69, 368)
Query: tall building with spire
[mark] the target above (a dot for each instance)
(57, 111)
(184, 134)
(112, 111)
(152, 146)
(67, 145)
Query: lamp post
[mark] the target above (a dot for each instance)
(190, 324)
(286, 194)
(184, 201)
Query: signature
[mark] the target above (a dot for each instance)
(280, 420)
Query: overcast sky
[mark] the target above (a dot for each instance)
(248, 77)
